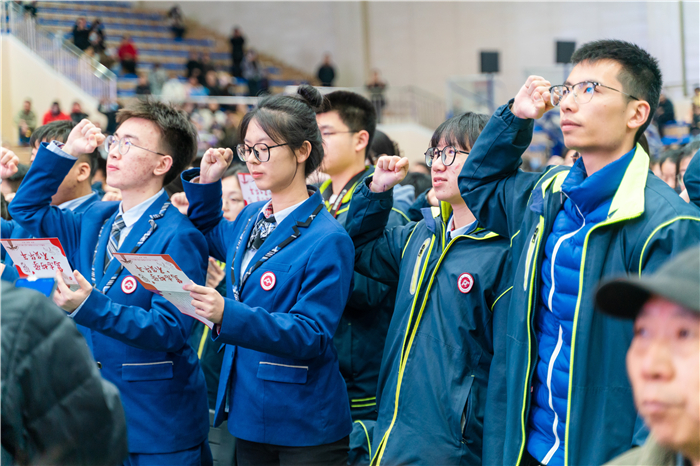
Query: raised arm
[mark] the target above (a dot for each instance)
(491, 183)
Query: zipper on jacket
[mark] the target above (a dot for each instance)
(528, 258)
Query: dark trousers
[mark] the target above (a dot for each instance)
(263, 454)
(529, 460)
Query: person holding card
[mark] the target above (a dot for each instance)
(289, 275)
(138, 339)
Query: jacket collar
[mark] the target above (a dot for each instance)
(435, 217)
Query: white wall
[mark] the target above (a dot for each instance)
(24, 75)
(424, 43)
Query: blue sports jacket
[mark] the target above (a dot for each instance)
(432, 383)
(646, 223)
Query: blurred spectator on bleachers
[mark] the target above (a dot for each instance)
(26, 122)
(695, 112)
(174, 90)
(177, 22)
(109, 109)
(376, 87)
(207, 66)
(81, 34)
(211, 82)
(686, 155)
(54, 114)
(194, 88)
(157, 79)
(252, 72)
(30, 8)
(212, 117)
(326, 72)
(237, 42)
(97, 36)
(193, 63)
(128, 55)
(76, 112)
(664, 114)
(228, 136)
(143, 88)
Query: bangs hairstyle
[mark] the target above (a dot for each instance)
(356, 111)
(292, 120)
(640, 75)
(178, 136)
(54, 131)
(460, 131)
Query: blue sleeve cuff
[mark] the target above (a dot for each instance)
(72, 314)
(57, 148)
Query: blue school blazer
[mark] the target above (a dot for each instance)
(280, 381)
(138, 339)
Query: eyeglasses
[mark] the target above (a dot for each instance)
(325, 134)
(124, 145)
(260, 150)
(447, 154)
(583, 92)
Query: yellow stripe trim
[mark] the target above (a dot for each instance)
(408, 241)
(529, 336)
(382, 444)
(513, 237)
(656, 230)
(402, 214)
(357, 400)
(202, 341)
(502, 294)
(365, 405)
(369, 444)
(628, 201)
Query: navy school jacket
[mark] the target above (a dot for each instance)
(437, 357)
(139, 340)
(280, 383)
(647, 223)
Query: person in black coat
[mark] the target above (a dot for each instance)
(56, 408)
(326, 73)
(237, 42)
(81, 34)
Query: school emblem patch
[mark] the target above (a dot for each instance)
(129, 285)
(267, 281)
(465, 282)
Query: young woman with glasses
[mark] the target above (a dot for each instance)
(289, 270)
(453, 279)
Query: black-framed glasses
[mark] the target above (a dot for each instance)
(124, 144)
(583, 92)
(260, 150)
(447, 154)
(325, 134)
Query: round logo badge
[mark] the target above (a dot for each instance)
(465, 282)
(267, 281)
(129, 285)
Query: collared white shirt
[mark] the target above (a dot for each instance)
(75, 203)
(133, 215)
(452, 233)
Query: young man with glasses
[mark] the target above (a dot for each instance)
(564, 397)
(347, 123)
(138, 339)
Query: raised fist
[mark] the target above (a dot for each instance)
(214, 164)
(533, 99)
(83, 139)
(389, 171)
(8, 163)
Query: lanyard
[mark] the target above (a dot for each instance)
(270, 253)
(349, 186)
(143, 239)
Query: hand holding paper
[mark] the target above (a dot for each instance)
(208, 302)
(39, 258)
(67, 299)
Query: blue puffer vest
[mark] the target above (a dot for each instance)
(587, 203)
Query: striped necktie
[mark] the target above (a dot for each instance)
(113, 243)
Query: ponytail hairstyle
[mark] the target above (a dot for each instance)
(292, 120)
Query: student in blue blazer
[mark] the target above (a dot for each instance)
(138, 339)
(289, 277)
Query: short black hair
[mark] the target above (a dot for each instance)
(291, 120)
(640, 75)
(178, 136)
(382, 145)
(460, 131)
(54, 131)
(356, 111)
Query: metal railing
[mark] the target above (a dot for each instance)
(64, 57)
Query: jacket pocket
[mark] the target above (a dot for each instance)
(276, 267)
(147, 371)
(467, 412)
(275, 372)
